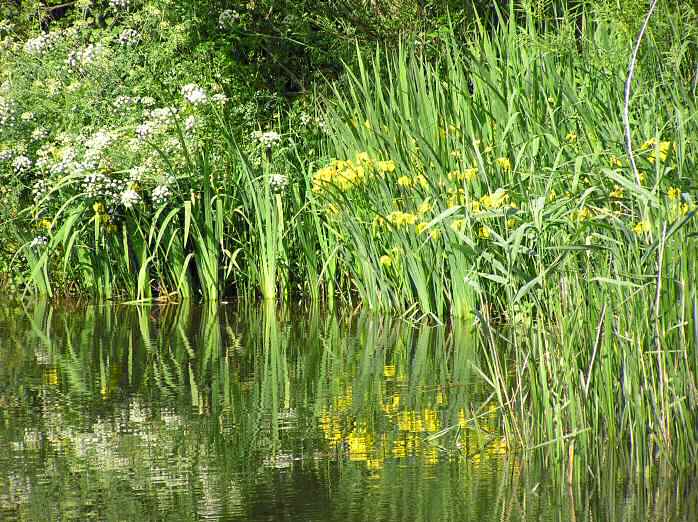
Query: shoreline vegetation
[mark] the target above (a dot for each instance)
(475, 170)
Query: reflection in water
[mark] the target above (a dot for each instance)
(123, 413)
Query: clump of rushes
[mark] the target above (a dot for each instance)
(525, 179)
(544, 235)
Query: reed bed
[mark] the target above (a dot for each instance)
(494, 184)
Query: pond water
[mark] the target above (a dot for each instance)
(244, 413)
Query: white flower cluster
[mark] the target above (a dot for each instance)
(227, 18)
(42, 165)
(136, 174)
(145, 130)
(7, 111)
(119, 4)
(21, 164)
(27, 116)
(307, 120)
(220, 99)
(38, 241)
(96, 144)
(267, 138)
(98, 185)
(82, 168)
(190, 123)
(278, 182)
(129, 198)
(67, 162)
(6, 154)
(122, 102)
(6, 27)
(128, 37)
(85, 57)
(194, 94)
(164, 115)
(159, 120)
(42, 43)
(39, 134)
(39, 190)
(161, 194)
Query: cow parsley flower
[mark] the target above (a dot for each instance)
(39, 134)
(128, 37)
(227, 18)
(278, 182)
(194, 94)
(38, 241)
(42, 43)
(145, 131)
(161, 194)
(129, 198)
(164, 115)
(190, 123)
(96, 144)
(98, 185)
(85, 57)
(119, 4)
(40, 189)
(135, 174)
(21, 164)
(7, 111)
(220, 99)
(267, 138)
(122, 102)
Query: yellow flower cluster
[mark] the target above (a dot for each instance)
(583, 214)
(484, 232)
(495, 200)
(617, 192)
(678, 207)
(424, 207)
(458, 225)
(663, 147)
(642, 227)
(503, 163)
(347, 174)
(468, 174)
(417, 181)
(456, 197)
(399, 218)
(45, 223)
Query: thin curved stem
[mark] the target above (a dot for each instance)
(628, 88)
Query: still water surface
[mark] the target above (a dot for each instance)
(241, 413)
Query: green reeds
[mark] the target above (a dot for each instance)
(582, 281)
(507, 165)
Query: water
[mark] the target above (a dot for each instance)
(181, 413)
